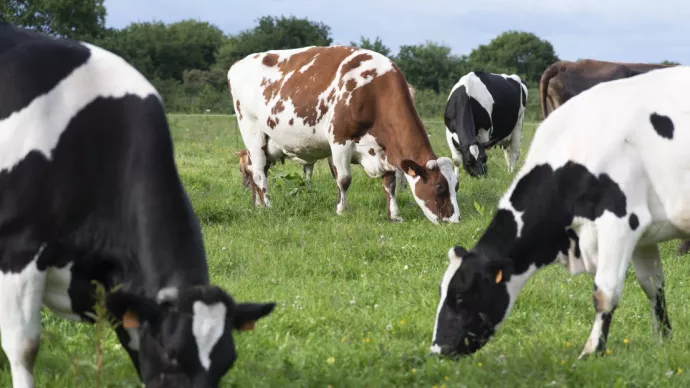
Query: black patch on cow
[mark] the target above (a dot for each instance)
(31, 66)
(576, 239)
(663, 125)
(605, 326)
(661, 312)
(549, 200)
(633, 221)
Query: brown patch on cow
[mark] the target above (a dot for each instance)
(369, 73)
(271, 123)
(279, 107)
(270, 60)
(354, 63)
(292, 121)
(323, 108)
(331, 96)
(237, 108)
(435, 193)
(304, 88)
(255, 56)
(350, 85)
(372, 152)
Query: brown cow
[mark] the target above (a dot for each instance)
(308, 168)
(352, 104)
(564, 80)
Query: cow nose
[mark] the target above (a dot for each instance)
(441, 350)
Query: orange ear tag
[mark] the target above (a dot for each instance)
(130, 320)
(249, 325)
(499, 276)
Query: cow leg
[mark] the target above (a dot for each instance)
(400, 181)
(650, 276)
(21, 297)
(616, 243)
(515, 138)
(308, 171)
(389, 187)
(342, 159)
(455, 154)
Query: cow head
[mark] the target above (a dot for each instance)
(434, 187)
(473, 157)
(185, 338)
(245, 169)
(474, 300)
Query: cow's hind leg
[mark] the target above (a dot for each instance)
(513, 155)
(455, 154)
(389, 182)
(21, 297)
(650, 276)
(616, 243)
(308, 172)
(342, 163)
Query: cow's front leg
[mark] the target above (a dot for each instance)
(342, 163)
(389, 183)
(21, 297)
(616, 243)
(260, 166)
(650, 276)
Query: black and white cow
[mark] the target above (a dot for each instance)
(89, 190)
(592, 206)
(484, 109)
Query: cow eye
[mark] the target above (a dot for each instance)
(441, 189)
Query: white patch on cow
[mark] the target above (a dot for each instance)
(56, 294)
(208, 326)
(38, 126)
(454, 263)
(474, 150)
(167, 294)
(475, 88)
(427, 212)
(483, 135)
(308, 65)
(446, 167)
(516, 283)
(134, 338)
(21, 296)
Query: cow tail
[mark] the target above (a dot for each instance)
(546, 76)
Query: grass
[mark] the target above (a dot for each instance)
(357, 295)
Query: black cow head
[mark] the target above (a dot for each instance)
(473, 158)
(186, 340)
(474, 300)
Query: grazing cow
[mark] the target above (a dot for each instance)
(308, 168)
(484, 109)
(592, 206)
(89, 191)
(565, 79)
(352, 104)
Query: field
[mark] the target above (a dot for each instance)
(356, 295)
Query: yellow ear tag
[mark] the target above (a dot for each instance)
(249, 325)
(130, 320)
(411, 172)
(499, 276)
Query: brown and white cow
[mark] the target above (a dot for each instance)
(352, 104)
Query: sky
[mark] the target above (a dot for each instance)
(613, 30)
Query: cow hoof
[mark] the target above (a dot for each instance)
(396, 219)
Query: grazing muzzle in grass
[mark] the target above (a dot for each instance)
(185, 340)
(473, 302)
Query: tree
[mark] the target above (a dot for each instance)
(430, 66)
(667, 62)
(377, 45)
(77, 19)
(518, 52)
(166, 51)
(274, 33)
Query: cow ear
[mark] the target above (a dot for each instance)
(411, 168)
(499, 270)
(133, 310)
(246, 314)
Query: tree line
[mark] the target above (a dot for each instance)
(188, 60)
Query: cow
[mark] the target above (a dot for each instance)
(89, 191)
(563, 80)
(352, 104)
(484, 109)
(593, 207)
(308, 168)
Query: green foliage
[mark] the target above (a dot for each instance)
(166, 51)
(77, 19)
(517, 52)
(667, 62)
(377, 45)
(273, 33)
(430, 66)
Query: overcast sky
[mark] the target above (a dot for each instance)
(615, 30)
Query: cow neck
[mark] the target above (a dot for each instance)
(407, 140)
